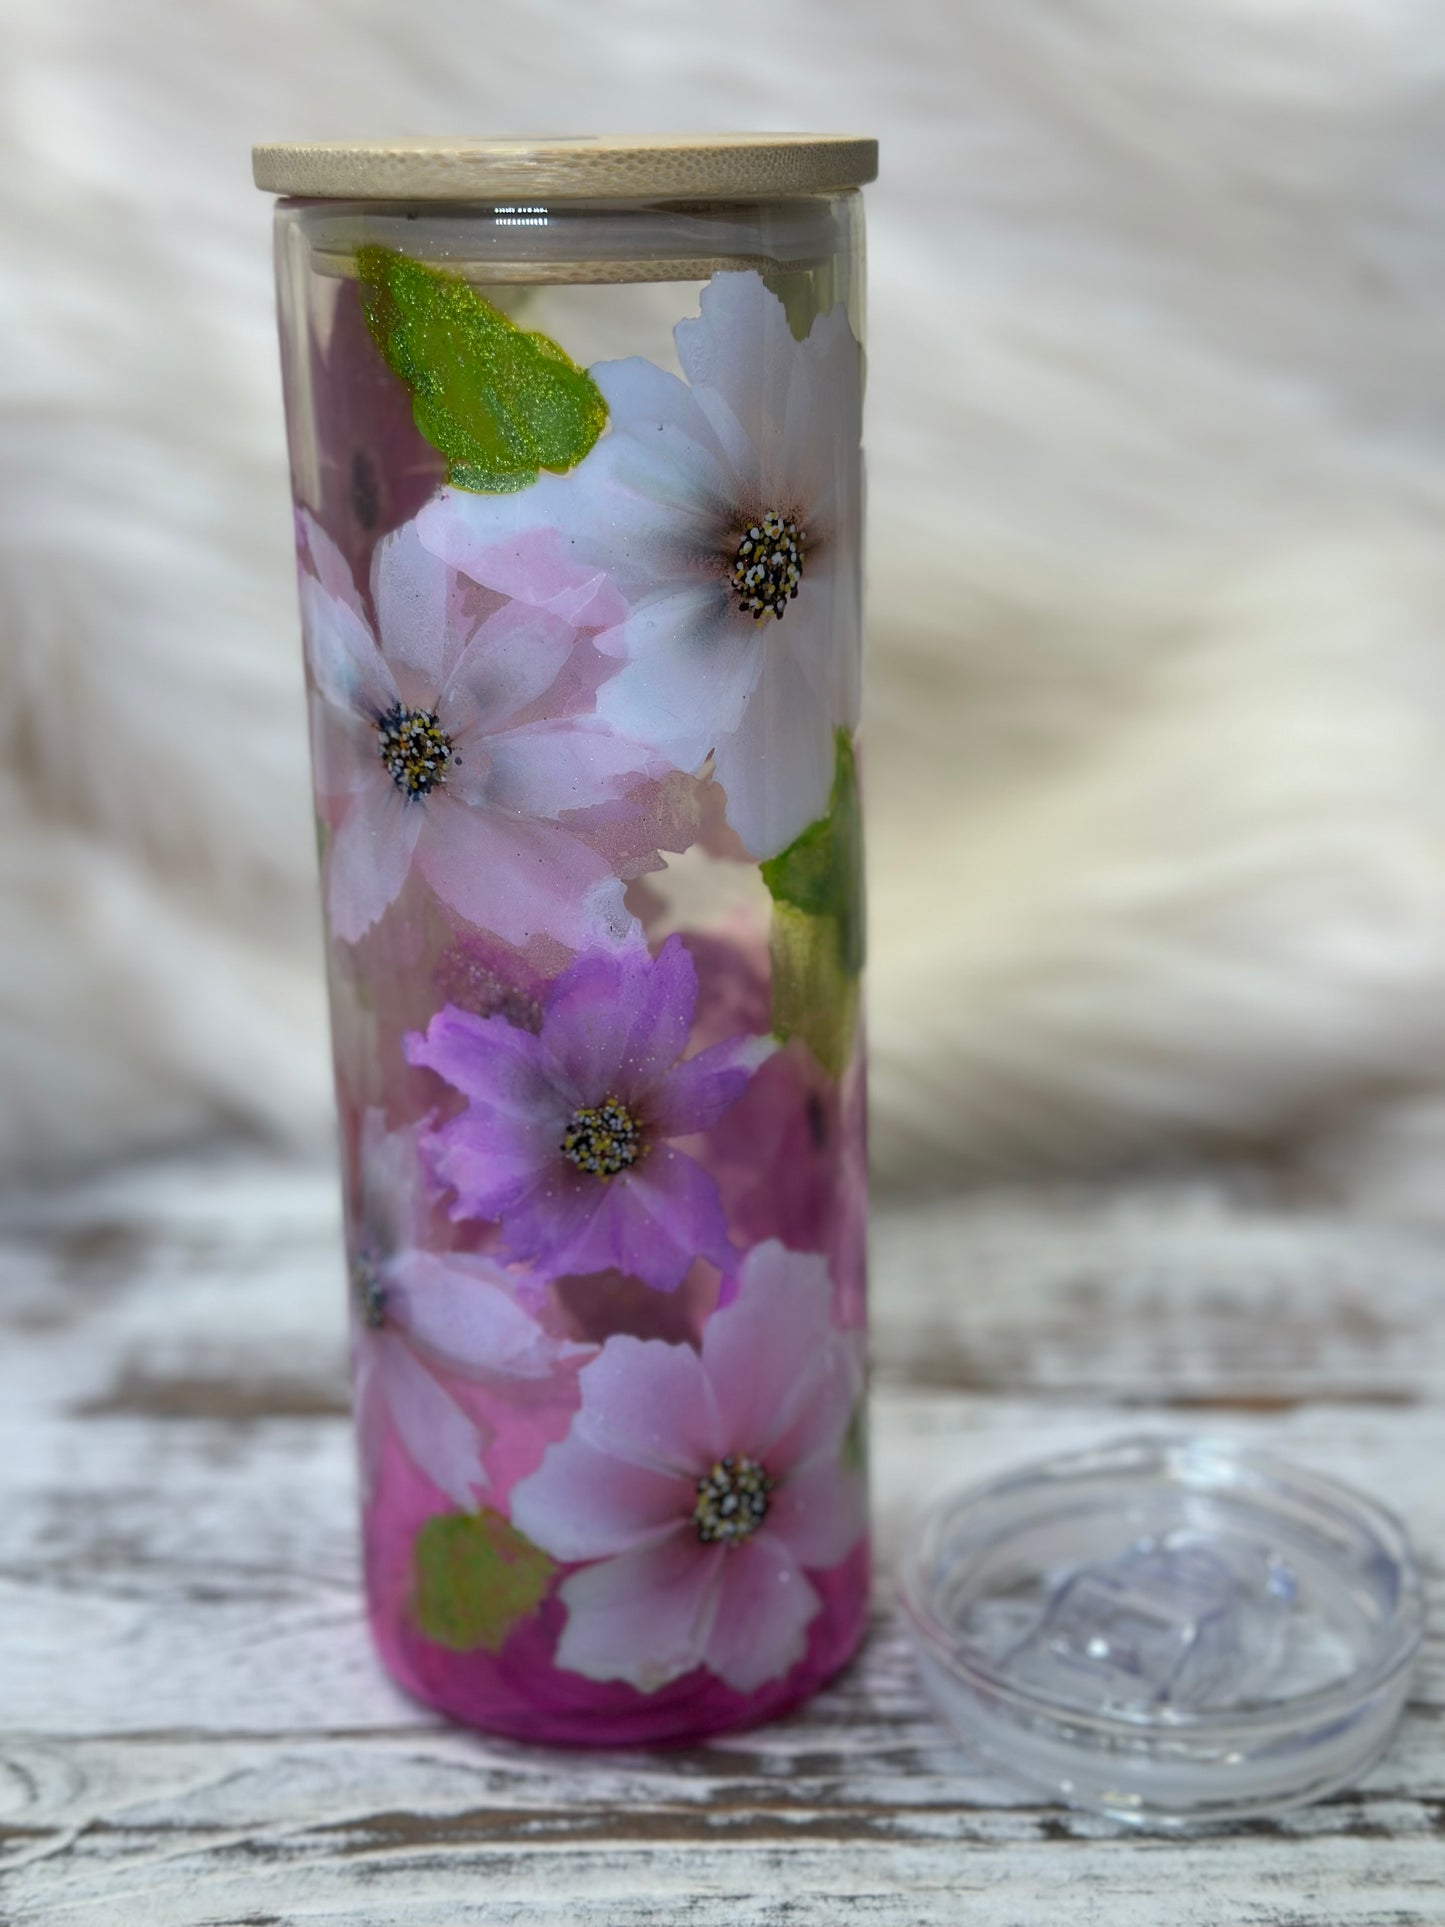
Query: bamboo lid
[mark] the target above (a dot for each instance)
(600, 167)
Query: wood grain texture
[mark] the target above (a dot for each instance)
(677, 167)
(193, 1729)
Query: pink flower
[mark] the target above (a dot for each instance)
(705, 1485)
(423, 1317)
(791, 1162)
(424, 754)
(567, 1138)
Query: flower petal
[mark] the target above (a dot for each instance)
(499, 1066)
(628, 1469)
(512, 659)
(745, 480)
(813, 1431)
(777, 764)
(341, 653)
(499, 1149)
(820, 1514)
(410, 588)
(648, 1402)
(525, 546)
(538, 567)
(760, 1628)
(459, 1314)
(547, 1222)
(441, 1441)
(644, 1617)
(390, 1205)
(641, 398)
(345, 750)
(317, 553)
(580, 1504)
(368, 1398)
(652, 1222)
(617, 1021)
(696, 1093)
(368, 857)
(741, 344)
(496, 1168)
(547, 768)
(675, 471)
(772, 1354)
(692, 666)
(520, 878)
(826, 464)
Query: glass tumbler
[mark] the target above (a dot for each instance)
(575, 445)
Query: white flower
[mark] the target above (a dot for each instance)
(724, 510)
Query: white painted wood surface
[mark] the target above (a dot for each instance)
(193, 1729)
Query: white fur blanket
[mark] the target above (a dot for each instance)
(1157, 432)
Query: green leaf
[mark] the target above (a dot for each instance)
(814, 997)
(821, 871)
(475, 1578)
(499, 403)
(819, 923)
(805, 293)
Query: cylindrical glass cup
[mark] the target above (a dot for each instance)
(574, 437)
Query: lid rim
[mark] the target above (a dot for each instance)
(1405, 1629)
(602, 167)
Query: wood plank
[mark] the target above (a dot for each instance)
(1198, 1293)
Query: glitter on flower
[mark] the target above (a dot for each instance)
(696, 1489)
(424, 1318)
(725, 510)
(567, 1140)
(421, 755)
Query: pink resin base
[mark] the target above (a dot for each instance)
(520, 1695)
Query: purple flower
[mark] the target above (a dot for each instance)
(704, 1485)
(426, 752)
(422, 1318)
(567, 1138)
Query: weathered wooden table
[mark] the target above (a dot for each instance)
(194, 1729)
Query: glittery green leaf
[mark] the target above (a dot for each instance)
(499, 403)
(819, 929)
(475, 1578)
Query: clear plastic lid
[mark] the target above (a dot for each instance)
(1167, 1630)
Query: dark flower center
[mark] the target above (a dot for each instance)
(414, 748)
(365, 490)
(768, 565)
(370, 1295)
(603, 1138)
(732, 1501)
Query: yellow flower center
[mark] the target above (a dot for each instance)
(414, 748)
(732, 1500)
(768, 565)
(603, 1139)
